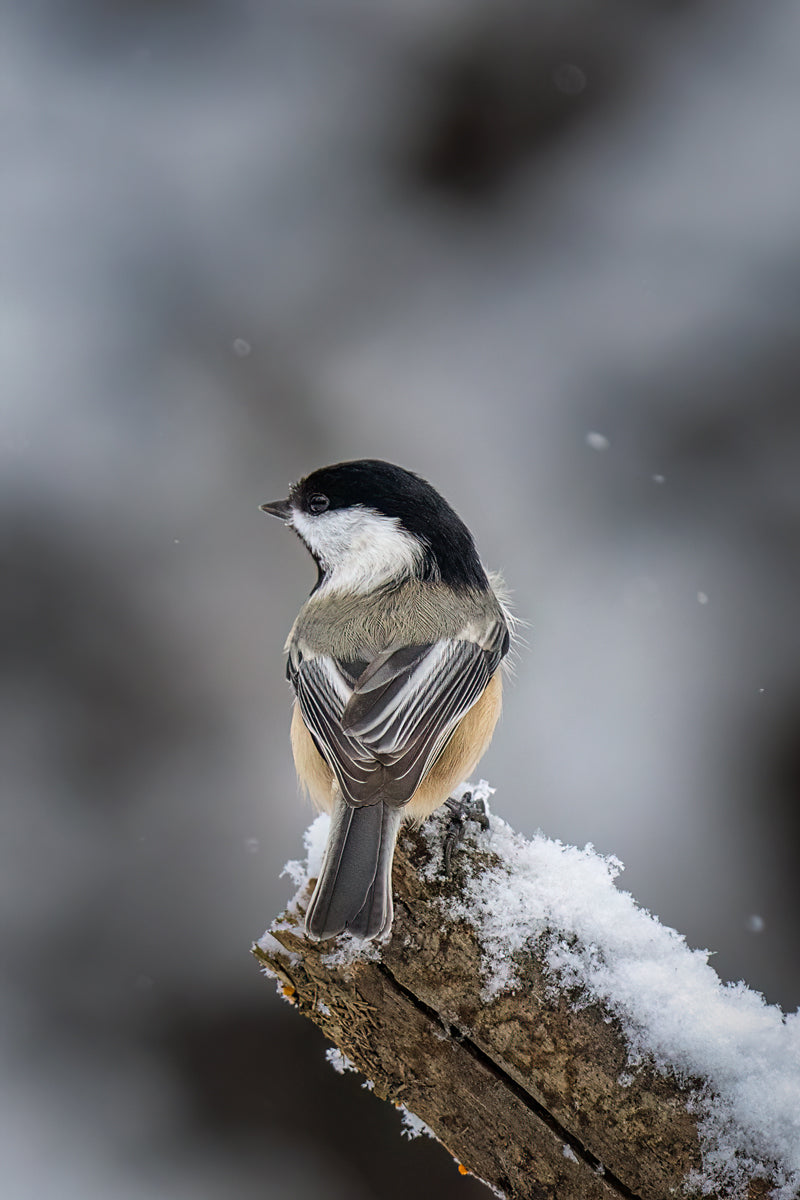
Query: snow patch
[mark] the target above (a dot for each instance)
(673, 1008)
(601, 946)
(339, 1061)
(271, 945)
(413, 1126)
(349, 949)
(342, 1065)
(314, 840)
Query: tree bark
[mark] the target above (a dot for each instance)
(531, 1096)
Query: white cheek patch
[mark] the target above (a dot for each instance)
(357, 547)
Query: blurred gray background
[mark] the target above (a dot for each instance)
(548, 256)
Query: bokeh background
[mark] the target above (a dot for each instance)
(547, 255)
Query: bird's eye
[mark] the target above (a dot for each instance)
(318, 503)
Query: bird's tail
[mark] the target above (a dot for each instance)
(354, 889)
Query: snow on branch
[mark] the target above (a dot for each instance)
(555, 1037)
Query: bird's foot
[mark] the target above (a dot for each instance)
(462, 809)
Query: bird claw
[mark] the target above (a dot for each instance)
(463, 809)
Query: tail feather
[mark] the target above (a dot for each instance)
(375, 915)
(354, 889)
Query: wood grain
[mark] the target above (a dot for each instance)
(530, 1094)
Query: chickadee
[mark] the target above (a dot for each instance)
(394, 663)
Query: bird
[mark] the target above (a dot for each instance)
(394, 660)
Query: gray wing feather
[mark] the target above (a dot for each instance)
(382, 733)
(322, 711)
(433, 693)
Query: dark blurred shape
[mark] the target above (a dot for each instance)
(249, 1072)
(773, 772)
(725, 431)
(518, 84)
(94, 699)
(85, 664)
(778, 777)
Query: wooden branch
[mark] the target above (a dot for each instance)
(532, 1096)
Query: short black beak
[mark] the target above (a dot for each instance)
(281, 509)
